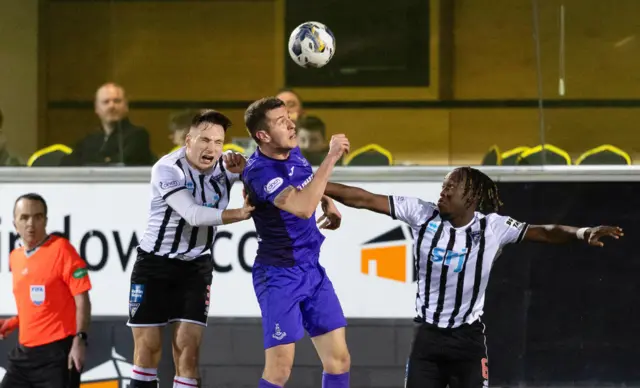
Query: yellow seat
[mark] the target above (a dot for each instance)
(546, 154)
(510, 157)
(604, 154)
(233, 147)
(49, 156)
(369, 155)
(492, 157)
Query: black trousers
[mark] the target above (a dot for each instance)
(44, 366)
(448, 357)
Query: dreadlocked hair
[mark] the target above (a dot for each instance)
(479, 187)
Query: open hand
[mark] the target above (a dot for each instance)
(331, 217)
(593, 235)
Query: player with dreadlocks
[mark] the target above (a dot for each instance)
(456, 243)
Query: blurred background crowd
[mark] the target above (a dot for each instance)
(413, 82)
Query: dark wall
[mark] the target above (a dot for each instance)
(555, 315)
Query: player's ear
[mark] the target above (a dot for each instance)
(263, 136)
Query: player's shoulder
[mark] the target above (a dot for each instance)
(171, 158)
(17, 253)
(60, 243)
(497, 220)
(168, 165)
(256, 166)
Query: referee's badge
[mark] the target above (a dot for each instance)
(37, 295)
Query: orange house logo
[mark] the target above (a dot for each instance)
(389, 256)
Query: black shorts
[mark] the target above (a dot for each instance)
(454, 357)
(167, 290)
(43, 366)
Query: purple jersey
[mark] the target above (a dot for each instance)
(283, 239)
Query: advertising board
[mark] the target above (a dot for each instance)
(369, 259)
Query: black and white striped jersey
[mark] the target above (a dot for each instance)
(167, 233)
(453, 264)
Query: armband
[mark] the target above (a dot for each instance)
(581, 232)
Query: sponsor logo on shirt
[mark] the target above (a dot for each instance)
(273, 185)
(219, 178)
(513, 223)
(306, 182)
(168, 185)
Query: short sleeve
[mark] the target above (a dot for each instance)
(506, 229)
(266, 183)
(167, 179)
(413, 211)
(74, 270)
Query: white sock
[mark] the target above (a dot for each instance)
(144, 374)
(184, 382)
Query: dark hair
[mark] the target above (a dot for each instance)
(256, 114)
(479, 187)
(182, 119)
(211, 116)
(31, 197)
(312, 124)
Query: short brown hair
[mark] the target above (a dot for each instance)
(211, 116)
(182, 119)
(256, 114)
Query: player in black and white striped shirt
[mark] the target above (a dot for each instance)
(172, 275)
(456, 243)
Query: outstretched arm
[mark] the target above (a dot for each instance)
(558, 234)
(358, 198)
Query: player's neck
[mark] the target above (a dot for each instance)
(461, 220)
(274, 153)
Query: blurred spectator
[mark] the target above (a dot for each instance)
(293, 103)
(117, 140)
(312, 139)
(179, 125)
(6, 159)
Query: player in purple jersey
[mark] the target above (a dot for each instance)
(292, 288)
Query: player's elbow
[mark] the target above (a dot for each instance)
(305, 214)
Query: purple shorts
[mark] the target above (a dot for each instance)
(295, 299)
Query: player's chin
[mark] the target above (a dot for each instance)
(293, 141)
(445, 212)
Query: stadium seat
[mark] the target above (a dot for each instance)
(550, 154)
(604, 154)
(510, 157)
(49, 156)
(369, 155)
(233, 147)
(492, 157)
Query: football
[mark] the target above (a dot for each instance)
(312, 44)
